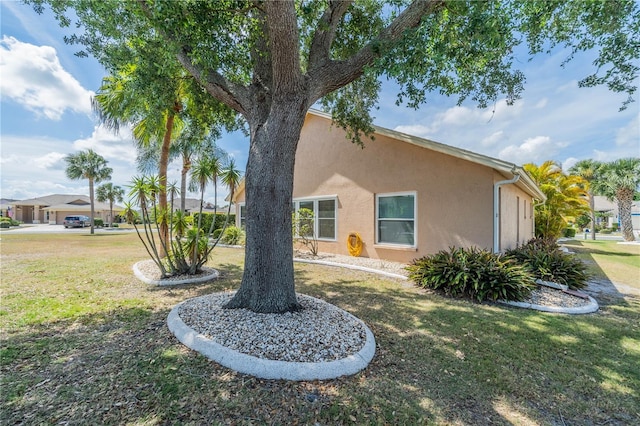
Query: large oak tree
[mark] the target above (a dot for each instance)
(270, 61)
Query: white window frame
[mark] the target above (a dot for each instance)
(239, 217)
(296, 206)
(414, 194)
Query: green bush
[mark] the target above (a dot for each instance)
(545, 261)
(473, 273)
(115, 225)
(233, 236)
(5, 219)
(98, 222)
(569, 233)
(606, 231)
(208, 217)
(5, 224)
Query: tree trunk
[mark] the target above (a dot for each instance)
(186, 166)
(625, 201)
(162, 177)
(593, 215)
(268, 281)
(92, 204)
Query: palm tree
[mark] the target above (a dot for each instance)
(619, 181)
(111, 193)
(88, 165)
(565, 198)
(589, 171)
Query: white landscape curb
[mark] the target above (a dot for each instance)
(590, 308)
(271, 369)
(213, 274)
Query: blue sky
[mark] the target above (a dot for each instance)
(45, 115)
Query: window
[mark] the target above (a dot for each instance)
(243, 216)
(395, 219)
(323, 222)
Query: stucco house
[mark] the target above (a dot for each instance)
(52, 209)
(406, 196)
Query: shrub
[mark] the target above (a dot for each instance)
(546, 262)
(5, 224)
(115, 225)
(474, 273)
(219, 220)
(98, 222)
(606, 231)
(233, 236)
(569, 233)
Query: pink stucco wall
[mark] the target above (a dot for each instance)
(454, 196)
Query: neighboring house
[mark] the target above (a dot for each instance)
(192, 206)
(406, 196)
(611, 213)
(52, 209)
(5, 207)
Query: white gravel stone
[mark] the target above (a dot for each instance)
(320, 332)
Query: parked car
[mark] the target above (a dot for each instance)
(76, 221)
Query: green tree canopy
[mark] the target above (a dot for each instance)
(589, 170)
(566, 198)
(270, 61)
(619, 180)
(91, 166)
(112, 193)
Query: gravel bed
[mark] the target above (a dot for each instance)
(547, 296)
(320, 332)
(383, 265)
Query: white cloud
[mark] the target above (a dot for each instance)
(541, 103)
(113, 146)
(492, 139)
(415, 130)
(629, 136)
(52, 160)
(568, 163)
(532, 150)
(33, 76)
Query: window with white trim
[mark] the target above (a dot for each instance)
(324, 215)
(243, 216)
(396, 219)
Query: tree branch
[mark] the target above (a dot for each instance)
(326, 31)
(329, 75)
(233, 95)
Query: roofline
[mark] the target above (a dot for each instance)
(494, 163)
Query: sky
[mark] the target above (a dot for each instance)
(45, 115)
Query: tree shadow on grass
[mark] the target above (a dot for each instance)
(438, 361)
(605, 291)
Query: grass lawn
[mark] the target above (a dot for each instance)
(84, 342)
(619, 263)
